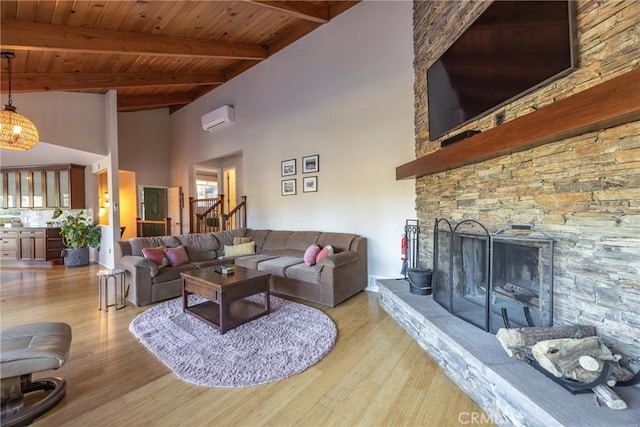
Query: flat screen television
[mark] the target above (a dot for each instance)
(512, 48)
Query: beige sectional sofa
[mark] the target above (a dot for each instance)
(332, 280)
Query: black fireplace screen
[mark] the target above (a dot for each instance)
(493, 280)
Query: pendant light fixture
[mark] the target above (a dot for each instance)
(16, 131)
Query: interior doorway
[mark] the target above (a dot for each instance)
(218, 176)
(230, 189)
(176, 203)
(156, 204)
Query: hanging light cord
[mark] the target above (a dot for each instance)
(9, 63)
(9, 57)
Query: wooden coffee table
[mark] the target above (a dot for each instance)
(226, 308)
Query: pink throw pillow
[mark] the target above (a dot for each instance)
(325, 252)
(154, 254)
(177, 256)
(310, 255)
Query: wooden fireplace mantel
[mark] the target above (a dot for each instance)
(611, 103)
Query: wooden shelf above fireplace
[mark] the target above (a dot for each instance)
(611, 103)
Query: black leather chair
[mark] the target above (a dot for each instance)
(24, 350)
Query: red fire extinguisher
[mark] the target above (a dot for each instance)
(403, 248)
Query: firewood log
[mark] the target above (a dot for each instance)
(589, 363)
(521, 337)
(561, 356)
(619, 374)
(609, 397)
(565, 351)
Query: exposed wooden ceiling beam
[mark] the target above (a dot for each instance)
(300, 9)
(27, 35)
(340, 6)
(239, 68)
(142, 102)
(296, 32)
(35, 82)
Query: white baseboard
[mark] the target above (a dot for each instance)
(372, 285)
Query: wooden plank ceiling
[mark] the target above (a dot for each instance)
(154, 53)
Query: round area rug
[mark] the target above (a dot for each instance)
(286, 342)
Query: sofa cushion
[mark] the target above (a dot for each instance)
(275, 243)
(340, 241)
(225, 238)
(258, 237)
(177, 256)
(239, 250)
(299, 241)
(125, 247)
(240, 240)
(171, 273)
(200, 246)
(304, 273)
(137, 243)
(252, 261)
(278, 266)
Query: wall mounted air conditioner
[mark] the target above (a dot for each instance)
(217, 117)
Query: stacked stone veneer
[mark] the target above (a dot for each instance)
(510, 392)
(584, 192)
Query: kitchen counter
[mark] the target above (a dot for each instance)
(29, 243)
(28, 227)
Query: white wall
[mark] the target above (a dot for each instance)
(73, 120)
(144, 145)
(111, 232)
(344, 92)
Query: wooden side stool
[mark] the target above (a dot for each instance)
(104, 276)
(24, 350)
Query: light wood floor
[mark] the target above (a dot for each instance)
(375, 376)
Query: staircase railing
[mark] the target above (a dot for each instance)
(237, 217)
(205, 215)
(147, 228)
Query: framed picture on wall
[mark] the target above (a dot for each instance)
(288, 167)
(288, 187)
(309, 184)
(311, 164)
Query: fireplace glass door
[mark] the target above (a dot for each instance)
(461, 272)
(521, 282)
(493, 281)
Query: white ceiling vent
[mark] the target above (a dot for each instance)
(217, 117)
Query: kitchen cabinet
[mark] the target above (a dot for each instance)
(9, 189)
(33, 244)
(30, 244)
(65, 187)
(35, 187)
(54, 245)
(9, 244)
(31, 188)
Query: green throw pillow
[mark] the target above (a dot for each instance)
(238, 250)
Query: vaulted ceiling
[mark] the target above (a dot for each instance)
(154, 53)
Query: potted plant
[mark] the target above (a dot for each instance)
(78, 235)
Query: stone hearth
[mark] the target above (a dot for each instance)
(510, 391)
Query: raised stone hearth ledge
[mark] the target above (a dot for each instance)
(510, 391)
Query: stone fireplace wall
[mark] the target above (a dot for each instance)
(584, 192)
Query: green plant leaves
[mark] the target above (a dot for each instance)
(78, 232)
